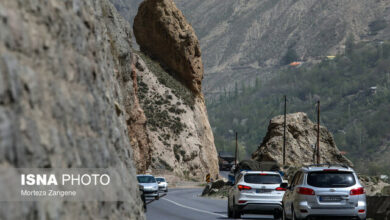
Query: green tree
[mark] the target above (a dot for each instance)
(349, 45)
(290, 56)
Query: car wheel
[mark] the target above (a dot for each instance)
(229, 211)
(158, 196)
(166, 190)
(236, 213)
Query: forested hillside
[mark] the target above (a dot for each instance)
(354, 90)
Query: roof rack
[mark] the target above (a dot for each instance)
(327, 164)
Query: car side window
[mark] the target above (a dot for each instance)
(300, 179)
(238, 178)
(294, 180)
(297, 179)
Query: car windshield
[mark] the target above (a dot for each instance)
(160, 179)
(262, 178)
(331, 179)
(146, 179)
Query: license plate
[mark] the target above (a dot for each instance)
(263, 190)
(330, 198)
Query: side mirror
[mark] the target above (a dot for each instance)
(284, 185)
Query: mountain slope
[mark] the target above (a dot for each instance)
(354, 90)
(247, 38)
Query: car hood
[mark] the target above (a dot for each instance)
(148, 185)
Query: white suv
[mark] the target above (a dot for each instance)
(256, 192)
(331, 191)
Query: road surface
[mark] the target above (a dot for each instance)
(185, 204)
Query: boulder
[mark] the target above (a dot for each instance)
(164, 34)
(301, 137)
(219, 188)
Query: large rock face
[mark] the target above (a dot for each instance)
(176, 116)
(177, 124)
(65, 75)
(301, 135)
(162, 32)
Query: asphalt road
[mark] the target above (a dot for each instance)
(186, 204)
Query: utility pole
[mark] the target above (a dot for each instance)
(318, 132)
(236, 155)
(284, 131)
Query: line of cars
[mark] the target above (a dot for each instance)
(151, 186)
(315, 191)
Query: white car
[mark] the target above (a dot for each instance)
(256, 192)
(150, 186)
(162, 184)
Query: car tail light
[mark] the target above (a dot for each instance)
(362, 211)
(306, 191)
(331, 170)
(357, 191)
(243, 187)
(241, 201)
(280, 189)
(263, 174)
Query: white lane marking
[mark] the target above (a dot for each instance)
(198, 210)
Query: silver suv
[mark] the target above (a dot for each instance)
(332, 191)
(256, 192)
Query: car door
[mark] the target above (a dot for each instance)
(236, 192)
(289, 195)
(294, 191)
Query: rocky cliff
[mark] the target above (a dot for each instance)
(73, 93)
(169, 89)
(66, 99)
(177, 124)
(301, 135)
